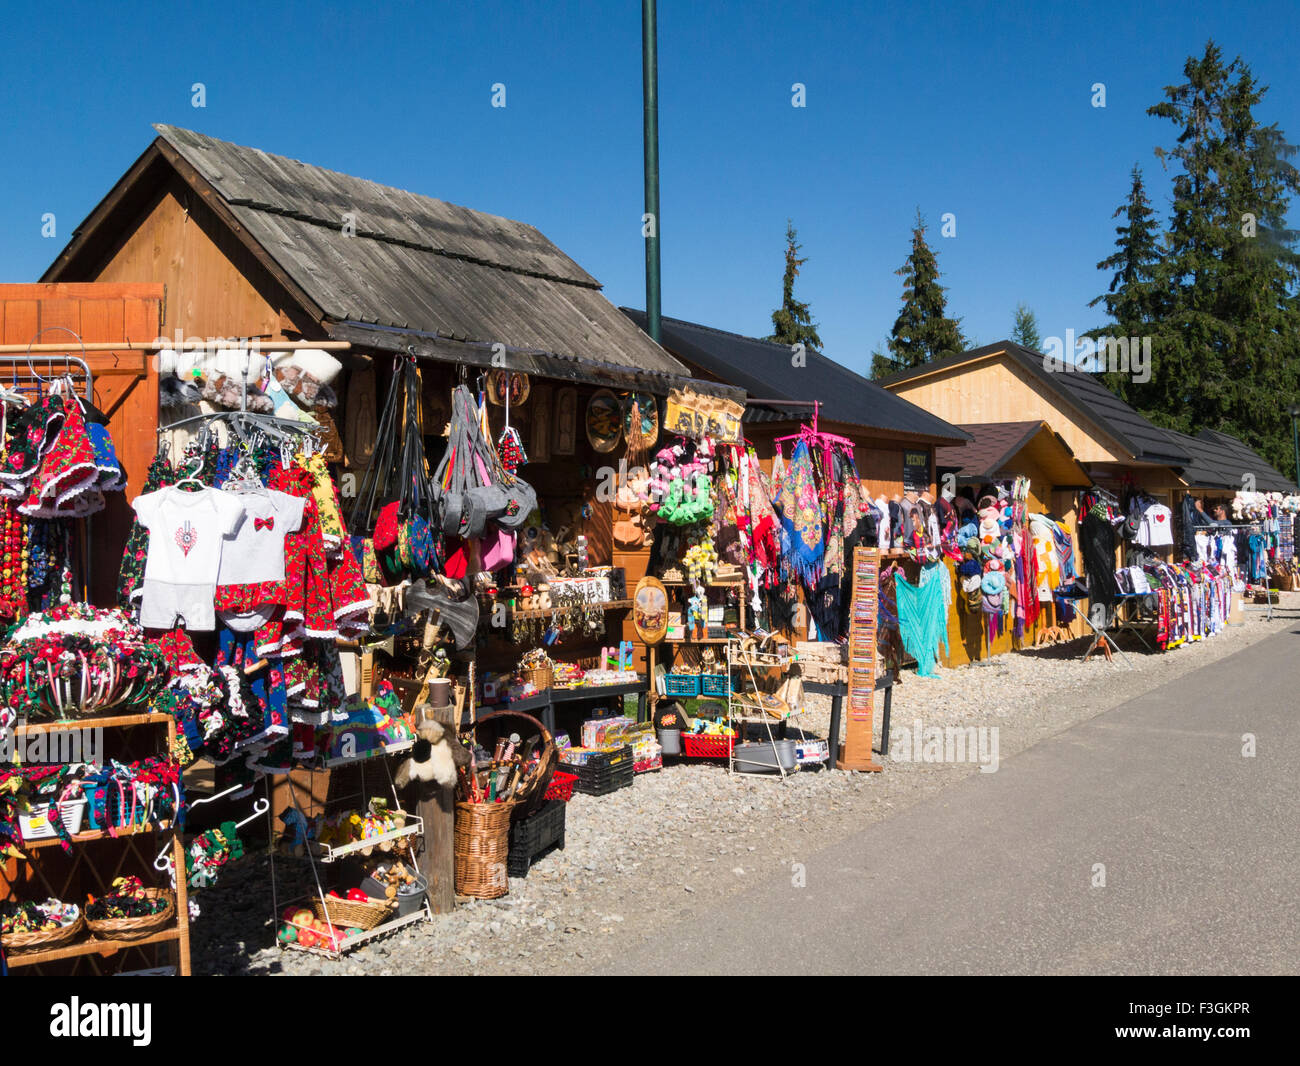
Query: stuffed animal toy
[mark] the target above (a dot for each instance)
(436, 756)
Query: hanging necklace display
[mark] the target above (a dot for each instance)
(604, 421)
(645, 409)
(510, 446)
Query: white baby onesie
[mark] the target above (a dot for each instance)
(187, 531)
(255, 556)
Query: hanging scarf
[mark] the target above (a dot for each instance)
(922, 619)
(802, 548)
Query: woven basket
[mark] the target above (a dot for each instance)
(352, 914)
(129, 930)
(540, 677)
(532, 793)
(16, 944)
(482, 849)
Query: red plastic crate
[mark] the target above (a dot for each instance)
(703, 746)
(561, 786)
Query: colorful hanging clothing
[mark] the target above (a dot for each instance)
(922, 618)
(802, 546)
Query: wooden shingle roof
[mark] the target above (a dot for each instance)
(392, 269)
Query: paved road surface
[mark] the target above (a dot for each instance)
(994, 875)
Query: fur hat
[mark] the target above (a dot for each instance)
(317, 362)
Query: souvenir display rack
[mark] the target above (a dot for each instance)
(318, 854)
(97, 858)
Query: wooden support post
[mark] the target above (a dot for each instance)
(438, 809)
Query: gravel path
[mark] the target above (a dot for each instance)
(690, 835)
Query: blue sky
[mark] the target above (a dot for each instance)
(982, 110)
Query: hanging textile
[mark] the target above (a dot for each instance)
(1097, 542)
(922, 619)
(802, 546)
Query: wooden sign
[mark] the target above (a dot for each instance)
(860, 724)
(696, 416)
(650, 610)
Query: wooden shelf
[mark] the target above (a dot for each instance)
(92, 722)
(91, 947)
(542, 612)
(99, 834)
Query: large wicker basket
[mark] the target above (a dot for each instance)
(129, 930)
(353, 914)
(482, 846)
(532, 793)
(16, 944)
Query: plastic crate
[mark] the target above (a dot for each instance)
(715, 685)
(604, 772)
(561, 786)
(706, 746)
(681, 685)
(532, 837)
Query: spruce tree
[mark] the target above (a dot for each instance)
(792, 322)
(1024, 330)
(1134, 299)
(923, 331)
(1226, 336)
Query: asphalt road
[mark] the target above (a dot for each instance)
(995, 875)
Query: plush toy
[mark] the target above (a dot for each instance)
(436, 755)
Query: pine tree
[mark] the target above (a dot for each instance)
(792, 322)
(1024, 331)
(1226, 336)
(1134, 299)
(923, 331)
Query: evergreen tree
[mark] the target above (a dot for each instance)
(792, 322)
(1226, 323)
(1024, 331)
(923, 331)
(1133, 301)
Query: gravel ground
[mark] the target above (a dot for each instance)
(689, 834)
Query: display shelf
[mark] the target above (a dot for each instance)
(65, 725)
(383, 929)
(413, 826)
(373, 753)
(102, 834)
(91, 947)
(542, 612)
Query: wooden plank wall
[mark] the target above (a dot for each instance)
(125, 389)
(1000, 391)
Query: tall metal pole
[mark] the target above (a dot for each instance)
(650, 225)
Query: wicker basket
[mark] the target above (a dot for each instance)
(129, 930)
(351, 913)
(532, 793)
(482, 849)
(16, 944)
(540, 677)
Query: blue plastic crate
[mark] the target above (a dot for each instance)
(715, 685)
(681, 685)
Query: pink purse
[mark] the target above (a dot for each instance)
(497, 548)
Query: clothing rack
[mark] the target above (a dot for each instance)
(62, 365)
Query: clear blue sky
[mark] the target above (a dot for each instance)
(982, 110)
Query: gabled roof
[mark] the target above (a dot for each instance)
(1236, 461)
(996, 450)
(1079, 390)
(443, 279)
(765, 370)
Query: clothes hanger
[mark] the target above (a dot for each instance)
(194, 478)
